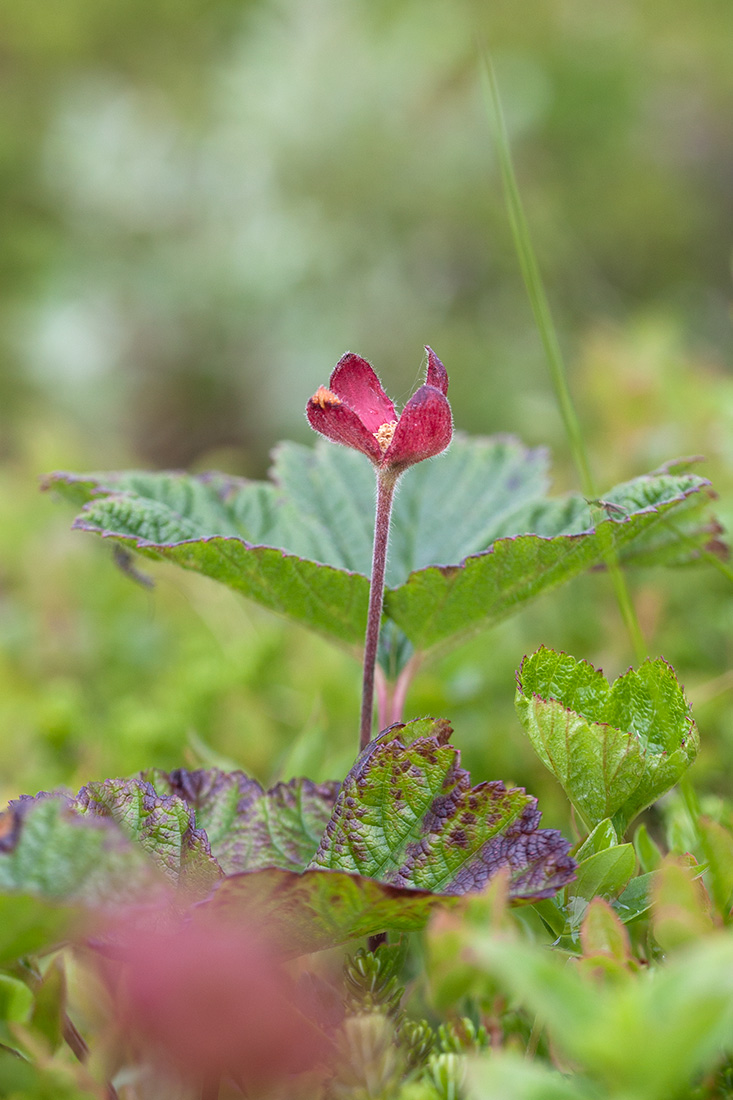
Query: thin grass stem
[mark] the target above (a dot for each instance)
(551, 345)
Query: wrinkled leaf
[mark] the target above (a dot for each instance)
(249, 828)
(163, 826)
(318, 909)
(407, 815)
(473, 535)
(51, 851)
(615, 748)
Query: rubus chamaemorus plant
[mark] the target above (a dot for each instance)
(147, 871)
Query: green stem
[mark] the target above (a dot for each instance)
(548, 335)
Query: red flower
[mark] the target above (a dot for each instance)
(356, 411)
(207, 1000)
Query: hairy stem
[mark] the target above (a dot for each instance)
(385, 492)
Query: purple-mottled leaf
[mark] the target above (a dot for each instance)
(249, 828)
(318, 909)
(407, 815)
(49, 850)
(163, 825)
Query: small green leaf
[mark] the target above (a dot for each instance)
(552, 914)
(604, 875)
(407, 815)
(647, 852)
(636, 899)
(318, 909)
(602, 837)
(614, 749)
(681, 906)
(602, 933)
(16, 1000)
(249, 828)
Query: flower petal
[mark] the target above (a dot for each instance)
(424, 429)
(355, 382)
(437, 375)
(341, 424)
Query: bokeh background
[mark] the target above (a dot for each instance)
(205, 202)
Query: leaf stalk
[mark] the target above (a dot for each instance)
(386, 481)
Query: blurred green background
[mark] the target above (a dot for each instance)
(205, 202)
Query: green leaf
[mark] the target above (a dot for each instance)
(329, 600)
(603, 933)
(249, 828)
(16, 1000)
(602, 837)
(318, 909)
(473, 536)
(506, 1076)
(49, 1007)
(16, 1005)
(163, 825)
(636, 899)
(29, 925)
(455, 600)
(604, 875)
(407, 815)
(52, 852)
(647, 851)
(717, 847)
(650, 1037)
(614, 749)
(681, 907)
(20, 1080)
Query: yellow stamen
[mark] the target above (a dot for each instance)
(324, 397)
(384, 435)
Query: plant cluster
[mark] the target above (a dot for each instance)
(402, 932)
